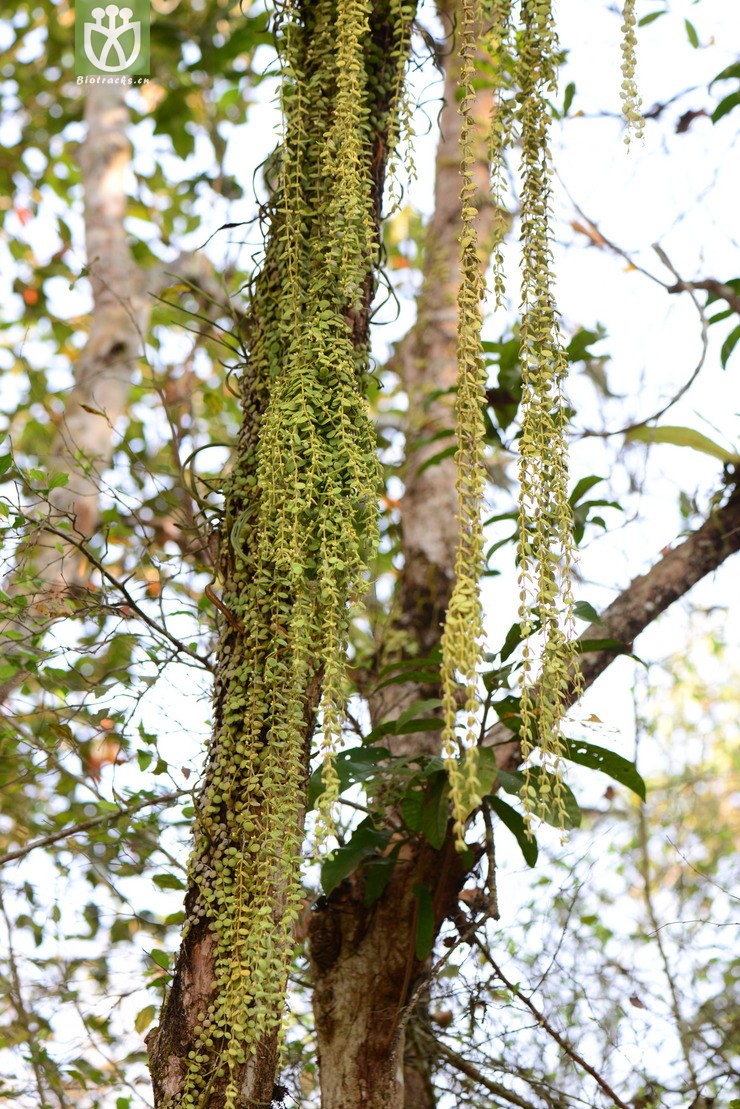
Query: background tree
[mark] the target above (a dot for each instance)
(116, 507)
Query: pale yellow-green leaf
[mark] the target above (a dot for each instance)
(683, 437)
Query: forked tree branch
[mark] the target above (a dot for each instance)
(636, 607)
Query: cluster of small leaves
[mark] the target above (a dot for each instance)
(299, 520)
(499, 52)
(401, 129)
(463, 631)
(545, 547)
(631, 104)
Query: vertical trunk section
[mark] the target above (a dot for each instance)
(178, 1047)
(365, 970)
(364, 960)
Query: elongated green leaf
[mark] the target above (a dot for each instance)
(412, 806)
(355, 765)
(168, 882)
(570, 92)
(582, 487)
(586, 645)
(608, 762)
(682, 437)
(726, 106)
(513, 783)
(514, 821)
(436, 814)
(421, 677)
(729, 345)
(437, 458)
(378, 873)
(727, 74)
(366, 841)
(509, 712)
(419, 708)
(145, 1018)
(512, 641)
(585, 611)
(408, 727)
(651, 17)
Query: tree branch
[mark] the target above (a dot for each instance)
(544, 1023)
(711, 285)
(86, 825)
(117, 584)
(471, 1071)
(650, 594)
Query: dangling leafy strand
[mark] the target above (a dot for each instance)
(299, 520)
(631, 103)
(545, 549)
(463, 631)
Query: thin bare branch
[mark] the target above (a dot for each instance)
(542, 1020)
(93, 822)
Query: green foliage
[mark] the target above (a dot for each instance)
(299, 521)
(683, 437)
(463, 630)
(730, 100)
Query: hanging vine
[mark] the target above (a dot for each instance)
(545, 549)
(299, 520)
(631, 104)
(500, 51)
(463, 630)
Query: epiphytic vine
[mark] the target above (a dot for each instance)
(546, 547)
(463, 630)
(299, 518)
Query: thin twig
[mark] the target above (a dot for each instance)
(24, 1018)
(117, 584)
(471, 1071)
(680, 286)
(710, 285)
(684, 1037)
(544, 1023)
(54, 837)
(491, 859)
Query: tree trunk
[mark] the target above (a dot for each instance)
(175, 1040)
(364, 960)
(365, 970)
(50, 569)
